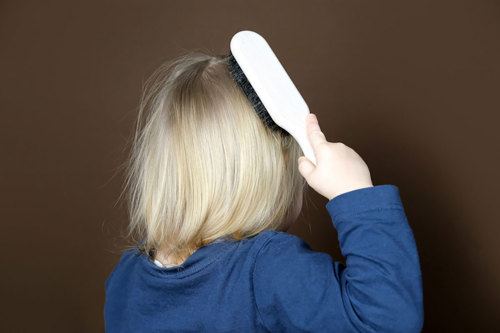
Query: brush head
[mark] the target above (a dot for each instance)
(269, 88)
(252, 96)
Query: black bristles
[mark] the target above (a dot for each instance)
(254, 99)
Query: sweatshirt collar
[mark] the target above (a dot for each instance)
(200, 259)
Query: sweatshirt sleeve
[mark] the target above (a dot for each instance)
(379, 289)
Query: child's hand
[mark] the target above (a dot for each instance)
(339, 168)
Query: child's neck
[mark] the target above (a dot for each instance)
(170, 261)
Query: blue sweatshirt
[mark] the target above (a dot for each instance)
(275, 282)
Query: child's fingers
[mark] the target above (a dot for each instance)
(306, 167)
(314, 133)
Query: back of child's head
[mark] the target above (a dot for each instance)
(203, 164)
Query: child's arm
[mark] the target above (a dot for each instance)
(380, 289)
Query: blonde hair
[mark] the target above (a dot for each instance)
(203, 165)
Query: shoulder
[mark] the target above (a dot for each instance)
(295, 288)
(271, 239)
(281, 253)
(279, 242)
(277, 236)
(129, 256)
(126, 259)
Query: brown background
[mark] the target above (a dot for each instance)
(413, 87)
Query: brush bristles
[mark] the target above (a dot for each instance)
(254, 99)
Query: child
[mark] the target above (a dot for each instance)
(212, 191)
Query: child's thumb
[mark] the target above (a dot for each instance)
(305, 167)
